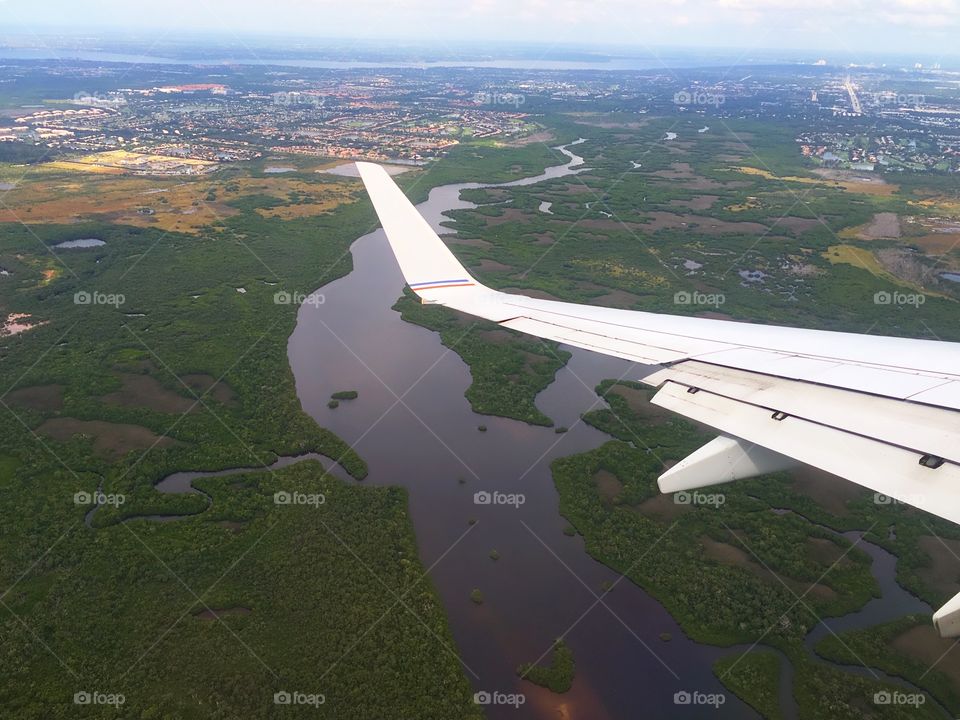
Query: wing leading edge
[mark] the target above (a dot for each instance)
(882, 412)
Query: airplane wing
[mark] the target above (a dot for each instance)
(882, 412)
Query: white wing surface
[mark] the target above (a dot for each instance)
(883, 412)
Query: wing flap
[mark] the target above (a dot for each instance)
(921, 428)
(891, 471)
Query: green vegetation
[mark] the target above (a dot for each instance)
(822, 691)
(558, 675)
(333, 404)
(481, 161)
(476, 596)
(722, 601)
(755, 679)
(168, 339)
(22, 154)
(929, 664)
(131, 607)
(345, 395)
(508, 369)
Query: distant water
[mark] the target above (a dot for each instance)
(266, 57)
(82, 243)
(279, 170)
(952, 277)
(252, 58)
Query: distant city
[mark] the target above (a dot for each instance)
(140, 119)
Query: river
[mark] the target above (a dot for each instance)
(414, 427)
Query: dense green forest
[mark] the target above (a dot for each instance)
(156, 352)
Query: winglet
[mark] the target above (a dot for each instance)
(428, 266)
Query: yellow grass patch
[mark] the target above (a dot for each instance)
(943, 205)
(49, 275)
(861, 258)
(751, 203)
(183, 205)
(323, 203)
(84, 167)
(616, 270)
(850, 185)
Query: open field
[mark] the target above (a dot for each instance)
(844, 180)
(183, 205)
(124, 161)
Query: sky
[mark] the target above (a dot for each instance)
(850, 26)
